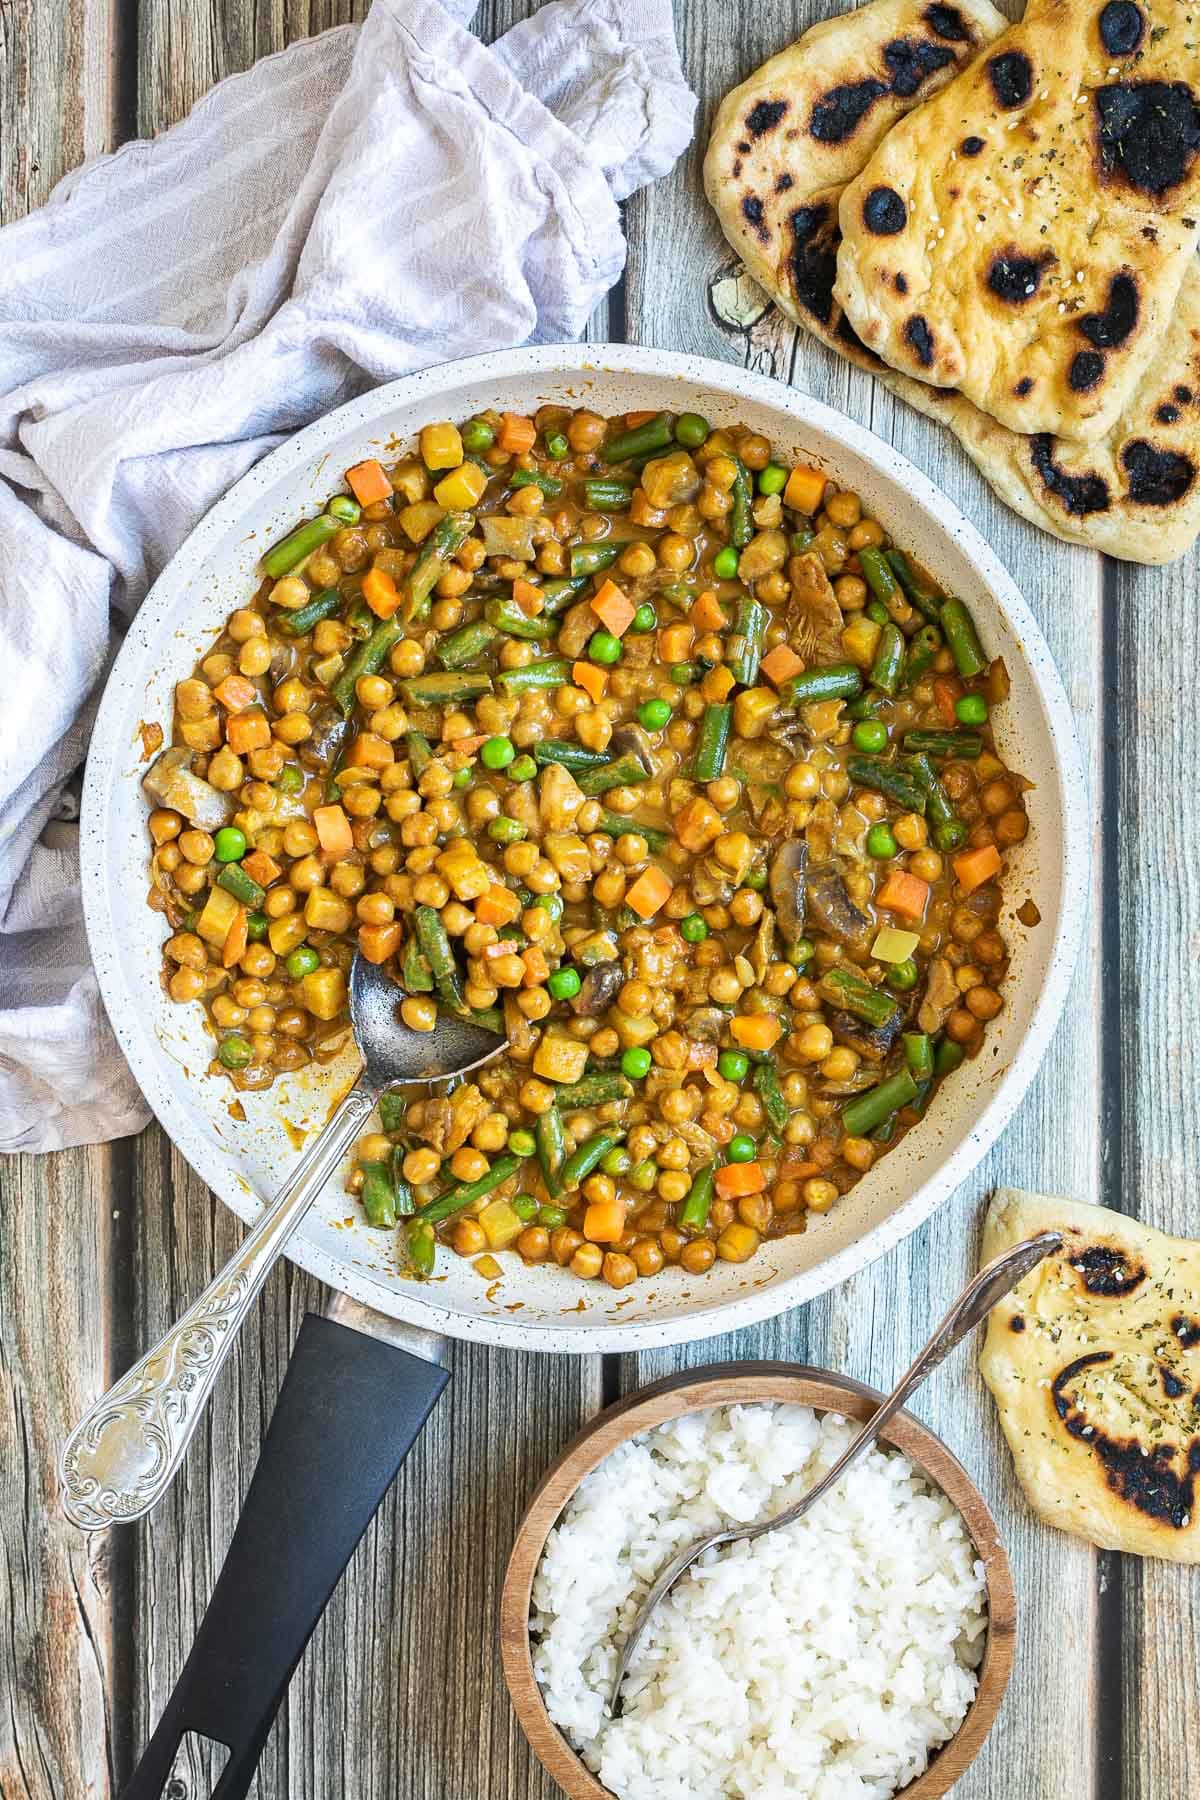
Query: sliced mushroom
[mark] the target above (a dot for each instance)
(631, 740)
(671, 480)
(330, 734)
(578, 624)
(599, 989)
(788, 885)
(468, 1108)
(711, 884)
(940, 997)
(707, 1024)
(763, 948)
(813, 615)
(559, 798)
(872, 1041)
(833, 908)
(507, 536)
(170, 781)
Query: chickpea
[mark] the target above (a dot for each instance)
(843, 509)
(1011, 827)
(534, 1003)
(746, 906)
(962, 1027)
(773, 588)
(673, 1185)
(292, 1021)
(996, 797)
(469, 1237)
(419, 1012)
(840, 1064)
(225, 771)
(635, 999)
(534, 1242)
(927, 864)
(814, 1043)
(186, 984)
(754, 1210)
(866, 534)
(257, 959)
(619, 1270)
(802, 782)
(189, 877)
(800, 1129)
(197, 846)
(859, 1152)
(586, 431)
(587, 1261)
(698, 1256)
(983, 1002)
(675, 553)
(674, 1154)
(407, 658)
(536, 1096)
(851, 593)
(819, 1195)
(647, 1257)
(990, 948)
(678, 1106)
(420, 1166)
(491, 1133)
(254, 658)
(724, 986)
(637, 559)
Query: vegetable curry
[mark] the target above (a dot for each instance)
(647, 749)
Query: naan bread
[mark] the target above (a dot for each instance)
(1136, 495)
(1094, 1362)
(1023, 236)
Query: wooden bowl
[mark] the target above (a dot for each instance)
(692, 1391)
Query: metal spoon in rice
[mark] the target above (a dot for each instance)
(973, 1304)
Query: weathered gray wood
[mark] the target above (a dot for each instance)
(1044, 1743)
(1153, 1026)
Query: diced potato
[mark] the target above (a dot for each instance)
(893, 945)
(752, 711)
(220, 910)
(671, 480)
(419, 519)
(326, 911)
(441, 446)
(411, 481)
(324, 992)
(860, 640)
(766, 552)
(201, 734)
(461, 489)
(569, 854)
(488, 1267)
(560, 1058)
(284, 934)
(501, 1225)
(463, 871)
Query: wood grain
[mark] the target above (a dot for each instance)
(740, 1384)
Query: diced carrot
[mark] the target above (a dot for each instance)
(974, 867)
(708, 614)
(718, 684)
(333, 830)
(378, 942)
(261, 868)
(736, 1180)
(536, 966)
(499, 906)
(591, 678)
(380, 593)
(368, 483)
(248, 731)
(675, 641)
(468, 745)
(236, 938)
(781, 663)
(236, 693)
(370, 751)
(698, 825)
(528, 597)
(756, 1031)
(634, 419)
(613, 608)
(904, 893)
(798, 1171)
(650, 892)
(516, 434)
(804, 490)
(946, 690)
(604, 1221)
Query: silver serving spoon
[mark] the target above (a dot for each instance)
(973, 1304)
(122, 1456)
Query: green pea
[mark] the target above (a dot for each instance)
(344, 508)
(461, 778)
(875, 609)
(881, 843)
(725, 563)
(733, 1065)
(234, 1052)
(229, 844)
(801, 540)
(904, 975)
(870, 736)
(950, 835)
(616, 1161)
(756, 879)
(654, 714)
(257, 926)
(772, 479)
(302, 961)
(972, 709)
(644, 619)
(644, 1176)
(800, 954)
(522, 768)
(551, 903)
(693, 930)
(741, 1148)
(636, 1063)
(683, 674)
(557, 446)
(290, 779)
(506, 831)
(524, 1205)
(521, 1142)
(497, 753)
(604, 648)
(564, 984)
(551, 1217)
(477, 435)
(691, 430)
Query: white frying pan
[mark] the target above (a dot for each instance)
(245, 1160)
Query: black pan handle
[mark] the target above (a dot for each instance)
(350, 1409)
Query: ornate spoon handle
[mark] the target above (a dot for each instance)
(123, 1454)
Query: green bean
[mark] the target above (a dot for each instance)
(392, 1108)
(290, 551)
(583, 1160)
(961, 636)
(918, 1053)
(947, 1057)
(322, 606)
(450, 689)
(627, 771)
(746, 642)
(837, 681)
(614, 825)
(467, 1192)
(655, 434)
(741, 520)
(886, 778)
(360, 620)
(367, 659)
(877, 573)
(945, 743)
(420, 752)
(693, 1214)
(920, 655)
(550, 485)
(949, 832)
(550, 673)
(446, 537)
(435, 944)
(879, 1103)
(607, 496)
(468, 644)
(378, 1196)
(854, 994)
(712, 742)
(421, 1245)
(590, 559)
(488, 1018)
(766, 1086)
(558, 594)
(917, 590)
(234, 879)
(889, 660)
(867, 706)
(551, 1140)
(416, 976)
(405, 1204)
(571, 756)
(593, 1090)
(505, 615)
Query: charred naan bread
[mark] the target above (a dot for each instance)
(1136, 495)
(1094, 1362)
(1023, 236)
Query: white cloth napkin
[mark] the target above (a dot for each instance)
(360, 205)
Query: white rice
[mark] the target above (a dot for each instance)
(825, 1661)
